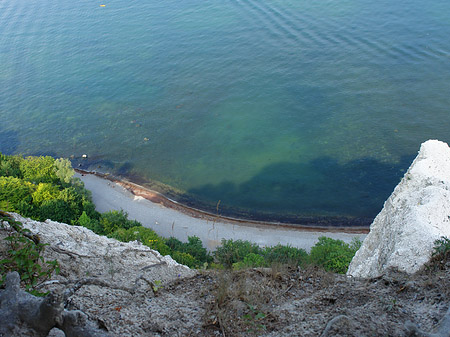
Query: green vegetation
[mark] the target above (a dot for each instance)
(44, 188)
(253, 319)
(442, 247)
(25, 256)
(334, 255)
(441, 253)
(232, 252)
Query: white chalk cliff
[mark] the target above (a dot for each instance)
(415, 215)
(102, 257)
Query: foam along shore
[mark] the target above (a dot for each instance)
(166, 221)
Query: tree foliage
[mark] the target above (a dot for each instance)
(39, 169)
(10, 166)
(13, 191)
(43, 192)
(63, 170)
(43, 188)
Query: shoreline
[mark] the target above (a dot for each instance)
(159, 198)
(169, 218)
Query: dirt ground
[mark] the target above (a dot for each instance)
(290, 302)
(278, 301)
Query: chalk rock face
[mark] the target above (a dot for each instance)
(86, 254)
(415, 215)
(116, 284)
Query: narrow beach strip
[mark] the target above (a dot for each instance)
(168, 218)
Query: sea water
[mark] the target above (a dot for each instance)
(279, 109)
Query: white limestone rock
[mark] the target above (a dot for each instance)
(122, 284)
(82, 253)
(415, 215)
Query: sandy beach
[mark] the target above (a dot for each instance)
(181, 223)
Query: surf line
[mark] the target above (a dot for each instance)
(158, 198)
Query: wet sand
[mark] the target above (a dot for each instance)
(167, 218)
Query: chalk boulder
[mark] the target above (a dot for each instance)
(103, 257)
(415, 215)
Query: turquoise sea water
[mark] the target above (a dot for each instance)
(280, 109)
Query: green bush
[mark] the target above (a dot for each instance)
(113, 220)
(25, 257)
(89, 209)
(146, 236)
(235, 251)
(86, 221)
(27, 210)
(442, 247)
(285, 255)
(333, 255)
(193, 247)
(73, 199)
(185, 258)
(252, 260)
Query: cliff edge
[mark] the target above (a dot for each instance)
(416, 214)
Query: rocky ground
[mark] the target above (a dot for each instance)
(137, 292)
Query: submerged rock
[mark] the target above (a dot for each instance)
(415, 215)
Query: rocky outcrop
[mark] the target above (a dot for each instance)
(415, 215)
(99, 256)
(102, 280)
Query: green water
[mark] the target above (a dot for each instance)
(280, 110)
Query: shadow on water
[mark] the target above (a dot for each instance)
(9, 142)
(321, 192)
(105, 166)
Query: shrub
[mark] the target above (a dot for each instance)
(333, 255)
(285, 255)
(194, 247)
(89, 209)
(440, 255)
(252, 260)
(185, 258)
(146, 236)
(234, 251)
(86, 221)
(113, 220)
(25, 257)
(27, 209)
(73, 199)
(441, 246)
